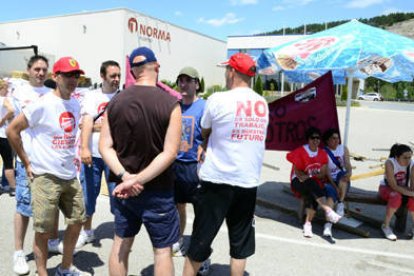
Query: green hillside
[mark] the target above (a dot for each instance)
(382, 21)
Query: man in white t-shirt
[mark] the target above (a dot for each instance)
(25, 95)
(52, 125)
(93, 106)
(234, 127)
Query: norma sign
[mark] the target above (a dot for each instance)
(148, 30)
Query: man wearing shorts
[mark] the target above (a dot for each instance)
(25, 95)
(234, 126)
(52, 125)
(139, 141)
(93, 166)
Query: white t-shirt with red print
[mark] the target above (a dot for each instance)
(238, 119)
(93, 103)
(53, 124)
(25, 95)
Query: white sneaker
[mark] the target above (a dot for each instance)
(388, 233)
(20, 266)
(204, 268)
(55, 246)
(84, 238)
(178, 250)
(72, 271)
(307, 230)
(327, 229)
(333, 217)
(340, 209)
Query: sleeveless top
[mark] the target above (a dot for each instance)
(399, 173)
(138, 118)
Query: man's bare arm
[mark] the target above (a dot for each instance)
(85, 136)
(106, 149)
(15, 139)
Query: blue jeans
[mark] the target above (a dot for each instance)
(90, 178)
(23, 195)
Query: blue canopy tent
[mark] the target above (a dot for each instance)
(351, 50)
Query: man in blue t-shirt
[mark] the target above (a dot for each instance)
(185, 167)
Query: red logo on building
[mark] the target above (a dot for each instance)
(147, 30)
(67, 121)
(132, 25)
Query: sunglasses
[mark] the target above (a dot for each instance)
(315, 137)
(74, 74)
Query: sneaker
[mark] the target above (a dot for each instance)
(205, 267)
(72, 271)
(84, 238)
(20, 266)
(388, 233)
(60, 249)
(55, 246)
(340, 209)
(327, 229)
(178, 250)
(333, 217)
(307, 230)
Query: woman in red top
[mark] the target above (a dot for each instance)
(309, 169)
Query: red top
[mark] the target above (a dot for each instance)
(309, 165)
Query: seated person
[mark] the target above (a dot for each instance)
(309, 169)
(339, 174)
(398, 183)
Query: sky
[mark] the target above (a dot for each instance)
(218, 18)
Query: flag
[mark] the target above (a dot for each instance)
(290, 116)
(129, 80)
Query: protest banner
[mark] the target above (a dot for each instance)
(290, 116)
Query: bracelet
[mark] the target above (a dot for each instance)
(121, 174)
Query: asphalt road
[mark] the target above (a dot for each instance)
(280, 247)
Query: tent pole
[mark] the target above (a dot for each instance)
(348, 108)
(282, 83)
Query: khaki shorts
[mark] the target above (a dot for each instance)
(50, 193)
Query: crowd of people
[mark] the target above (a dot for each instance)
(159, 152)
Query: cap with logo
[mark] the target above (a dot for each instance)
(66, 65)
(141, 56)
(242, 63)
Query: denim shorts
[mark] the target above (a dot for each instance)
(156, 210)
(23, 195)
(91, 178)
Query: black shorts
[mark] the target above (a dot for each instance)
(6, 153)
(216, 202)
(186, 181)
(309, 191)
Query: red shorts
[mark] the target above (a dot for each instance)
(394, 198)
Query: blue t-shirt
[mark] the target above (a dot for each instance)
(191, 130)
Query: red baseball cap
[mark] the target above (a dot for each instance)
(242, 63)
(66, 65)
